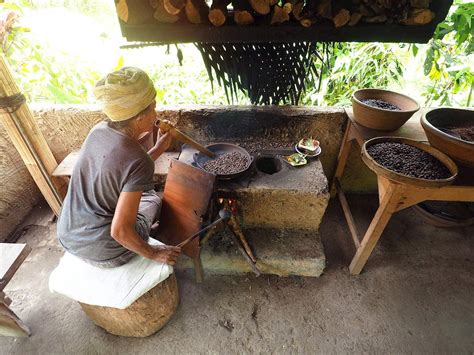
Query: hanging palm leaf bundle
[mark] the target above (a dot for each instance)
(269, 73)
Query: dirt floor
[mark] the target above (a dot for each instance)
(415, 296)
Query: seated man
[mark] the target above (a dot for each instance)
(110, 205)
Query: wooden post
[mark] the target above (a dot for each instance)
(30, 143)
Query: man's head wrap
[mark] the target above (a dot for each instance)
(125, 93)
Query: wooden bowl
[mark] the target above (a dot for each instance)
(405, 179)
(378, 118)
(458, 149)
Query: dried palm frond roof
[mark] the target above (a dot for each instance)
(269, 73)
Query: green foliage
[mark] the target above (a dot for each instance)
(45, 76)
(354, 66)
(449, 58)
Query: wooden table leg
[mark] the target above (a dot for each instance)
(388, 206)
(342, 157)
(198, 270)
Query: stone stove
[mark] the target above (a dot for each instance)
(279, 207)
(273, 194)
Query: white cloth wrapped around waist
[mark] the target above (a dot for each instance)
(115, 287)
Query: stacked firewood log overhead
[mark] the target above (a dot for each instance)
(268, 12)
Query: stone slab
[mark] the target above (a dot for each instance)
(293, 198)
(279, 252)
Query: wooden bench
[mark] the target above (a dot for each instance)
(11, 257)
(161, 164)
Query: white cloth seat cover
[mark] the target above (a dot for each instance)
(110, 287)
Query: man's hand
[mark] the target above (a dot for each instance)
(163, 142)
(166, 254)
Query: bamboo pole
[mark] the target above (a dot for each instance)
(30, 143)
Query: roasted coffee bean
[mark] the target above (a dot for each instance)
(226, 164)
(380, 104)
(408, 160)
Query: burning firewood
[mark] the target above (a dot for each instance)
(279, 15)
(342, 18)
(161, 15)
(196, 11)
(134, 12)
(242, 12)
(174, 7)
(218, 14)
(261, 7)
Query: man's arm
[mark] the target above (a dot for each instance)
(123, 231)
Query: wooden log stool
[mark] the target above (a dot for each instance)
(142, 318)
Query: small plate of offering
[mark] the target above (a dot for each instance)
(309, 145)
(296, 159)
(307, 153)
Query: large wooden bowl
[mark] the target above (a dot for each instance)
(378, 118)
(405, 179)
(458, 149)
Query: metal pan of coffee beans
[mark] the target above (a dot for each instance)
(230, 161)
(408, 160)
(227, 163)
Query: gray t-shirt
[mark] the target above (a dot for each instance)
(109, 162)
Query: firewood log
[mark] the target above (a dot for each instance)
(355, 18)
(196, 11)
(288, 5)
(218, 14)
(261, 7)
(375, 19)
(297, 9)
(342, 18)
(242, 12)
(376, 8)
(174, 7)
(420, 4)
(279, 15)
(134, 12)
(365, 11)
(161, 15)
(419, 17)
(309, 10)
(325, 9)
(308, 22)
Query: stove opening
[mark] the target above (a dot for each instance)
(268, 165)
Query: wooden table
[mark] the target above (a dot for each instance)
(393, 196)
(11, 257)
